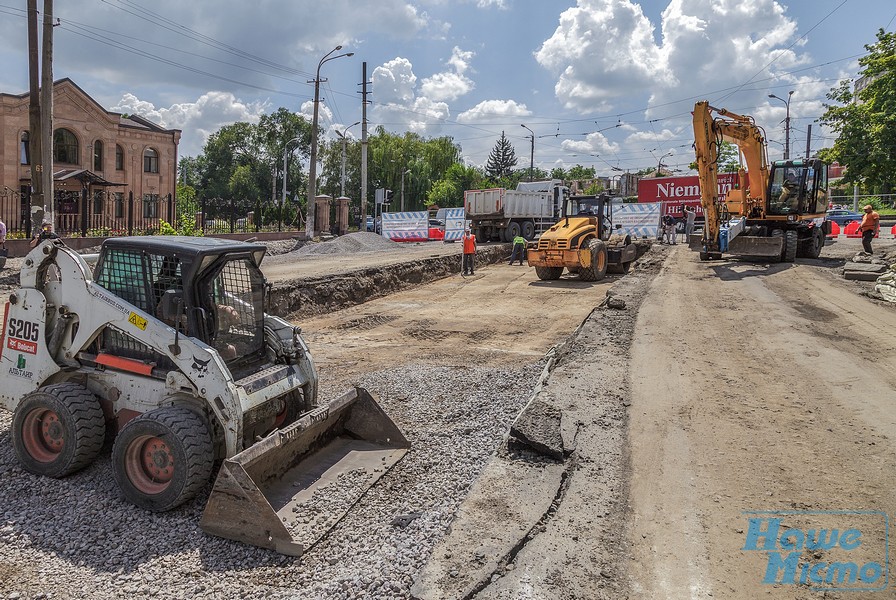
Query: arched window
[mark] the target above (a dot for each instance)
(65, 147)
(97, 155)
(25, 151)
(150, 161)
(119, 157)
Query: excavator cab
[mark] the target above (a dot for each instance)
(797, 187)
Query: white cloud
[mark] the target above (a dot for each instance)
(600, 50)
(394, 81)
(450, 85)
(198, 120)
(491, 110)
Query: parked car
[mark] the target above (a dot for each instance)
(842, 216)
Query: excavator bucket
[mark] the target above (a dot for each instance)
(288, 490)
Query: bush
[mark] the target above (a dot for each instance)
(165, 228)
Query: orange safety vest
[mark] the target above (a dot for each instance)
(870, 221)
(469, 244)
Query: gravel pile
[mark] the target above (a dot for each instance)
(353, 243)
(74, 538)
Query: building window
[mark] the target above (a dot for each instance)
(119, 158)
(25, 151)
(150, 161)
(150, 206)
(98, 201)
(119, 205)
(65, 147)
(97, 155)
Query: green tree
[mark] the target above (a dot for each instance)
(579, 172)
(502, 159)
(865, 121)
(728, 160)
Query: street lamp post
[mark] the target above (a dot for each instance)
(659, 163)
(342, 135)
(531, 152)
(403, 173)
(786, 122)
(312, 170)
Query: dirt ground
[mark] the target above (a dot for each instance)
(751, 392)
(758, 388)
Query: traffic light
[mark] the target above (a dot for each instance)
(388, 197)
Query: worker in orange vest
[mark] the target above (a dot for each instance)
(869, 227)
(469, 252)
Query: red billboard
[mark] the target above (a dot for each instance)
(675, 192)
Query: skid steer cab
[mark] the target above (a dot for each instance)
(165, 345)
(584, 241)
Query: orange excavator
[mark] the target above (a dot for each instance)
(778, 210)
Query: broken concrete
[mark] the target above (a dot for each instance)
(518, 514)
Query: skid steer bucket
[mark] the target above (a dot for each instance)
(289, 489)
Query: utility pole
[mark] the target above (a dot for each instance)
(531, 153)
(46, 115)
(363, 224)
(35, 156)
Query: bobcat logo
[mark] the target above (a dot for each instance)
(201, 367)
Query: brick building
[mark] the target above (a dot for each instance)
(112, 172)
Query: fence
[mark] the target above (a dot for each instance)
(857, 201)
(229, 215)
(99, 214)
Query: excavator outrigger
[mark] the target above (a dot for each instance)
(777, 212)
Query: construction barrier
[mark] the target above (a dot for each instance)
(641, 220)
(455, 223)
(406, 226)
(835, 230)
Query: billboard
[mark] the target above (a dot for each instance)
(675, 192)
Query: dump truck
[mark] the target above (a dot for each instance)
(498, 214)
(165, 347)
(584, 241)
(778, 210)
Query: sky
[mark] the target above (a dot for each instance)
(602, 83)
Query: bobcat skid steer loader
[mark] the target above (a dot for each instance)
(166, 347)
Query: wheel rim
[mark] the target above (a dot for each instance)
(43, 435)
(601, 261)
(149, 464)
(281, 416)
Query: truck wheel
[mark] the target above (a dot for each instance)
(481, 236)
(512, 231)
(598, 268)
(162, 458)
(529, 230)
(791, 241)
(549, 273)
(811, 246)
(58, 429)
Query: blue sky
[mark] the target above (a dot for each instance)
(603, 83)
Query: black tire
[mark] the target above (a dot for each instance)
(512, 231)
(791, 242)
(812, 245)
(58, 429)
(549, 273)
(598, 268)
(481, 236)
(529, 230)
(162, 458)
